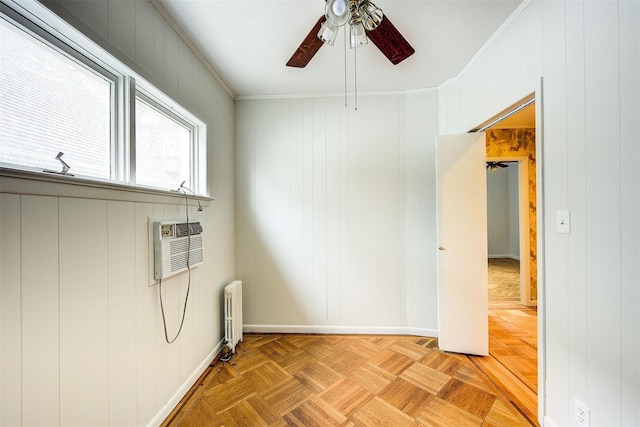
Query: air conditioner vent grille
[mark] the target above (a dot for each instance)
(179, 262)
(170, 251)
(178, 246)
(182, 230)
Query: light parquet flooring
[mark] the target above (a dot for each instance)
(504, 280)
(513, 351)
(344, 380)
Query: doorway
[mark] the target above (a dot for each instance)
(454, 199)
(511, 208)
(503, 233)
(513, 321)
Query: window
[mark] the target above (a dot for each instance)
(70, 97)
(170, 143)
(52, 103)
(163, 146)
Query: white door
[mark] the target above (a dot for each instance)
(462, 239)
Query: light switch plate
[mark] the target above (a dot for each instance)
(563, 222)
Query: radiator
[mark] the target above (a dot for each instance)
(233, 314)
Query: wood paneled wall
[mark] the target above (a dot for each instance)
(82, 339)
(81, 336)
(588, 55)
(336, 213)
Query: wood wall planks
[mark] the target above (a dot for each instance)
(84, 312)
(590, 153)
(81, 338)
(82, 335)
(603, 243)
(629, 101)
(577, 190)
(325, 221)
(40, 310)
(10, 310)
(121, 255)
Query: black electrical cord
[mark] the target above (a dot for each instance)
(186, 298)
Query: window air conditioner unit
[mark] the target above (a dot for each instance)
(177, 247)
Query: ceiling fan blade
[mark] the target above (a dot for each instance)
(308, 48)
(390, 42)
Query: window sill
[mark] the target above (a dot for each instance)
(16, 181)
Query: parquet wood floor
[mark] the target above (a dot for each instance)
(348, 380)
(504, 280)
(336, 380)
(513, 350)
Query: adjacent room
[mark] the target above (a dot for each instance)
(347, 212)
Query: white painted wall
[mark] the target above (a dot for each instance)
(498, 213)
(588, 53)
(336, 213)
(502, 213)
(81, 337)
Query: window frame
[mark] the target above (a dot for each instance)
(59, 47)
(40, 23)
(157, 100)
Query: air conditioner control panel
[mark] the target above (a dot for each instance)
(179, 229)
(166, 230)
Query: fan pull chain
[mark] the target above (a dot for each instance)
(344, 45)
(355, 76)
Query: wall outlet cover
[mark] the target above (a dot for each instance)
(582, 413)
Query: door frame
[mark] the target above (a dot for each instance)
(537, 96)
(540, 234)
(523, 225)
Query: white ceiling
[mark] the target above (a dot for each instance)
(248, 43)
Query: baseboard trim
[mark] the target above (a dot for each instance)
(164, 412)
(340, 330)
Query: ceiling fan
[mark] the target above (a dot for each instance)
(365, 21)
(493, 166)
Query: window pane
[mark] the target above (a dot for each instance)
(163, 149)
(51, 103)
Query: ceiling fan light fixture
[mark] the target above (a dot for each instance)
(338, 12)
(371, 15)
(364, 14)
(358, 36)
(328, 33)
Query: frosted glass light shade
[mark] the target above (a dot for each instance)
(328, 33)
(338, 12)
(371, 15)
(358, 35)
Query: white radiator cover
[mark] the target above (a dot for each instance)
(233, 314)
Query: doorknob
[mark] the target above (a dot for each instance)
(440, 248)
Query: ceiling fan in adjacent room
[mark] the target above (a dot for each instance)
(365, 21)
(493, 166)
